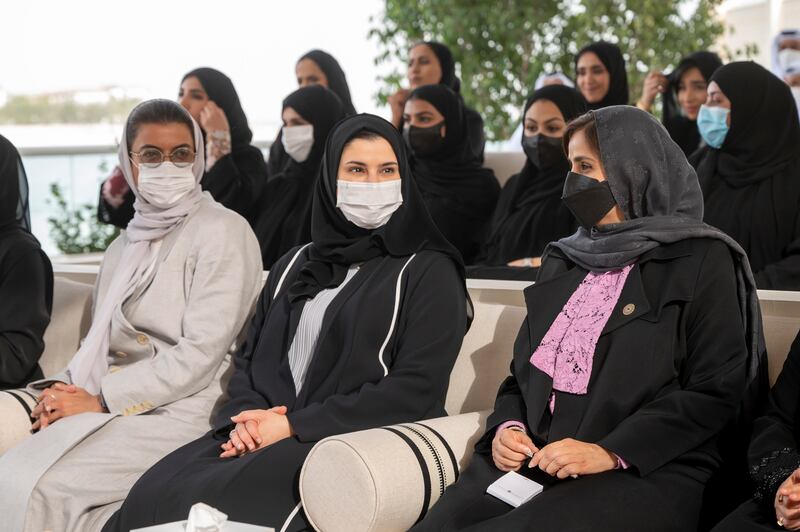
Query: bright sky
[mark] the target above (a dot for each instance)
(54, 45)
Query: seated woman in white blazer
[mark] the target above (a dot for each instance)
(174, 291)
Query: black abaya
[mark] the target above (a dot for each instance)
(751, 184)
(350, 371)
(774, 452)
(26, 278)
(530, 213)
(284, 217)
(460, 194)
(337, 83)
(473, 122)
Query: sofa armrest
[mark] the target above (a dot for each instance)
(386, 479)
(15, 407)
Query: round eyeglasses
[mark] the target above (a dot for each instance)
(153, 157)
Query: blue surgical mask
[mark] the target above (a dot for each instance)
(713, 125)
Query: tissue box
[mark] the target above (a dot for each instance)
(228, 526)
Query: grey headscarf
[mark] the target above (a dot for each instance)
(659, 194)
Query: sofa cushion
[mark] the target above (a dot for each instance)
(385, 479)
(69, 322)
(485, 358)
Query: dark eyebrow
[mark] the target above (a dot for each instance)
(580, 158)
(392, 163)
(554, 119)
(197, 91)
(184, 145)
(356, 162)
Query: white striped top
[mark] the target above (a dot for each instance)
(308, 328)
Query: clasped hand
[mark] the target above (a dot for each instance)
(787, 502)
(562, 459)
(256, 429)
(62, 400)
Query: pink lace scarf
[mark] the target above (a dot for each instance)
(566, 352)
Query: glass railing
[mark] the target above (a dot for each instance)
(78, 172)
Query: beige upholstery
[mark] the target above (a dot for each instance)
(69, 322)
(16, 425)
(781, 323)
(372, 480)
(347, 481)
(484, 359)
(504, 164)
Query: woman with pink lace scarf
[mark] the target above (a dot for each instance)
(641, 345)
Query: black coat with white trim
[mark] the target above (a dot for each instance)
(384, 355)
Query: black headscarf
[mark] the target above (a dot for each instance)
(337, 243)
(751, 184)
(453, 176)
(337, 82)
(473, 122)
(447, 64)
(682, 130)
(611, 56)
(659, 195)
(220, 90)
(284, 220)
(530, 213)
(764, 135)
(14, 209)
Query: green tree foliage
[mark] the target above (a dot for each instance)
(502, 46)
(77, 230)
(46, 109)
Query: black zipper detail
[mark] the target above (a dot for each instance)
(436, 458)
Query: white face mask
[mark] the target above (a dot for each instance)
(369, 205)
(297, 141)
(789, 59)
(166, 184)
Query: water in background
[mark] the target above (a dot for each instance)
(79, 177)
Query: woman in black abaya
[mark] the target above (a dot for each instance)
(316, 67)
(600, 75)
(235, 169)
(460, 194)
(751, 182)
(284, 220)
(26, 278)
(324, 315)
(432, 63)
(530, 213)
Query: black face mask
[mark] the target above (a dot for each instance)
(424, 141)
(588, 199)
(543, 151)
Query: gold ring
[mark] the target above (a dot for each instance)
(53, 397)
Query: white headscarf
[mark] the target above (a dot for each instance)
(777, 68)
(543, 78)
(145, 231)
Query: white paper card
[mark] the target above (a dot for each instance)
(514, 489)
(229, 526)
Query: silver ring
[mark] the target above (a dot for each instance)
(780, 522)
(53, 397)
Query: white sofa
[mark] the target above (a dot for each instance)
(379, 480)
(70, 321)
(376, 480)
